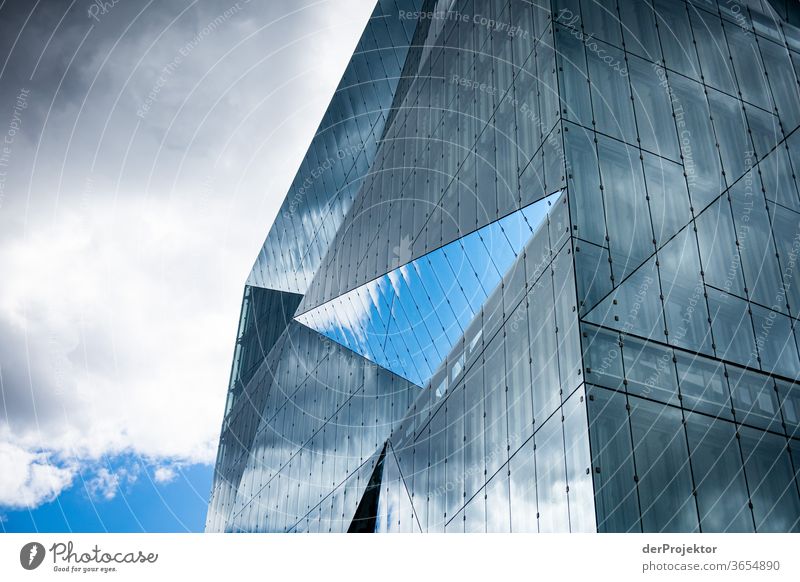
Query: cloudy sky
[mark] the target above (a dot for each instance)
(144, 150)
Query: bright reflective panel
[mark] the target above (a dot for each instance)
(409, 319)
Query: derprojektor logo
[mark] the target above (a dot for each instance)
(31, 555)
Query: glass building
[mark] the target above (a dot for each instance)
(536, 273)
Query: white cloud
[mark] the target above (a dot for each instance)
(30, 479)
(124, 249)
(130, 360)
(107, 483)
(104, 484)
(164, 474)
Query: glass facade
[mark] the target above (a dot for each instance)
(535, 274)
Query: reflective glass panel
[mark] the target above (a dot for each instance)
(419, 313)
(662, 466)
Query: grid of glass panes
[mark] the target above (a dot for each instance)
(409, 319)
(474, 138)
(682, 442)
(340, 154)
(499, 441)
(684, 142)
(313, 417)
(679, 156)
(238, 430)
(690, 158)
(264, 316)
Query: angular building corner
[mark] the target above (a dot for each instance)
(536, 273)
